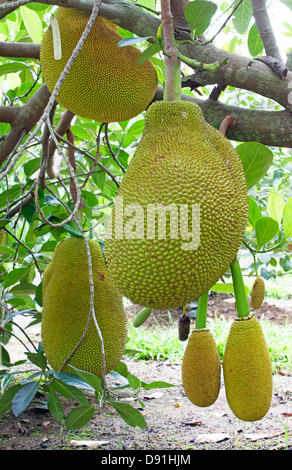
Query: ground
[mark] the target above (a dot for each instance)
(173, 422)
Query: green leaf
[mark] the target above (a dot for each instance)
(242, 16)
(14, 276)
(266, 229)
(158, 384)
(79, 417)
(31, 166)
(38, 359)
(131, 41)
(11, 67)
(275, 205)
(6, 399)
(23, 397)
(4, 356)
(130, 415)
(254, 41)
(199, 14)
(32, 23)
(55, 405)
(226, 287)
(149, 52)
(76, 393)
(134, 382)
(256, 159)
(287, 218)
(254, 212)
(94, 381)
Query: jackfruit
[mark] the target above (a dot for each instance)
(257, 292)
(183, 174)
(105, 83)
(66, 307)
(201, 368)
(247, 370)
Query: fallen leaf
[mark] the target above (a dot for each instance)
(91, 444)
(192, 423)
(47, 424)
(211, 438)
(153, 396)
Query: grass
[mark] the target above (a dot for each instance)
(160, 342)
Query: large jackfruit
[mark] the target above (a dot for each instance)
(186, 178)
(201, 368)
(105, 83)
(66, 307)
(247, 370)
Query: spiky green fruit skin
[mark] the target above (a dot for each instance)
(201, 368)
(257, 292)
(66, 307)
(180, 160)
(105, 83)
(247, 370)
(142, 317)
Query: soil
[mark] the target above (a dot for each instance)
(173, 422)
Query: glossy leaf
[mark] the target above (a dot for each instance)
(94, 381)
(287, 218)
(242, 16)
(254, 212)
(266, 229)
(199, 14)
(254, 41)
(131, 41)
(23, 397)
(55, 405)
(130, 415)
(275, 205)
(32, 23)
(256, 159)
(7, 397)
(79, 417)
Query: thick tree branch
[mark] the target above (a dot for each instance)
(26, 50)
(27, 117)
(272, 128)
(264, 26)
(240, 72)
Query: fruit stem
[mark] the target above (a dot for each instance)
(242, 305)
(201, 317)
(172, 85)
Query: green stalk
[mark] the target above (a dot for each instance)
(172, 85)
(201, 318)
(242, 305)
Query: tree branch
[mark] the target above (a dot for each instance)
(264, 26)
(272, 128)
(25, 50)
(27, 116)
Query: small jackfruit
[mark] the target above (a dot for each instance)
(180, 212)
(247, 370)
(142, 317)
(201, 368)
(66, 307)
(257, 292)
(105, 83)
